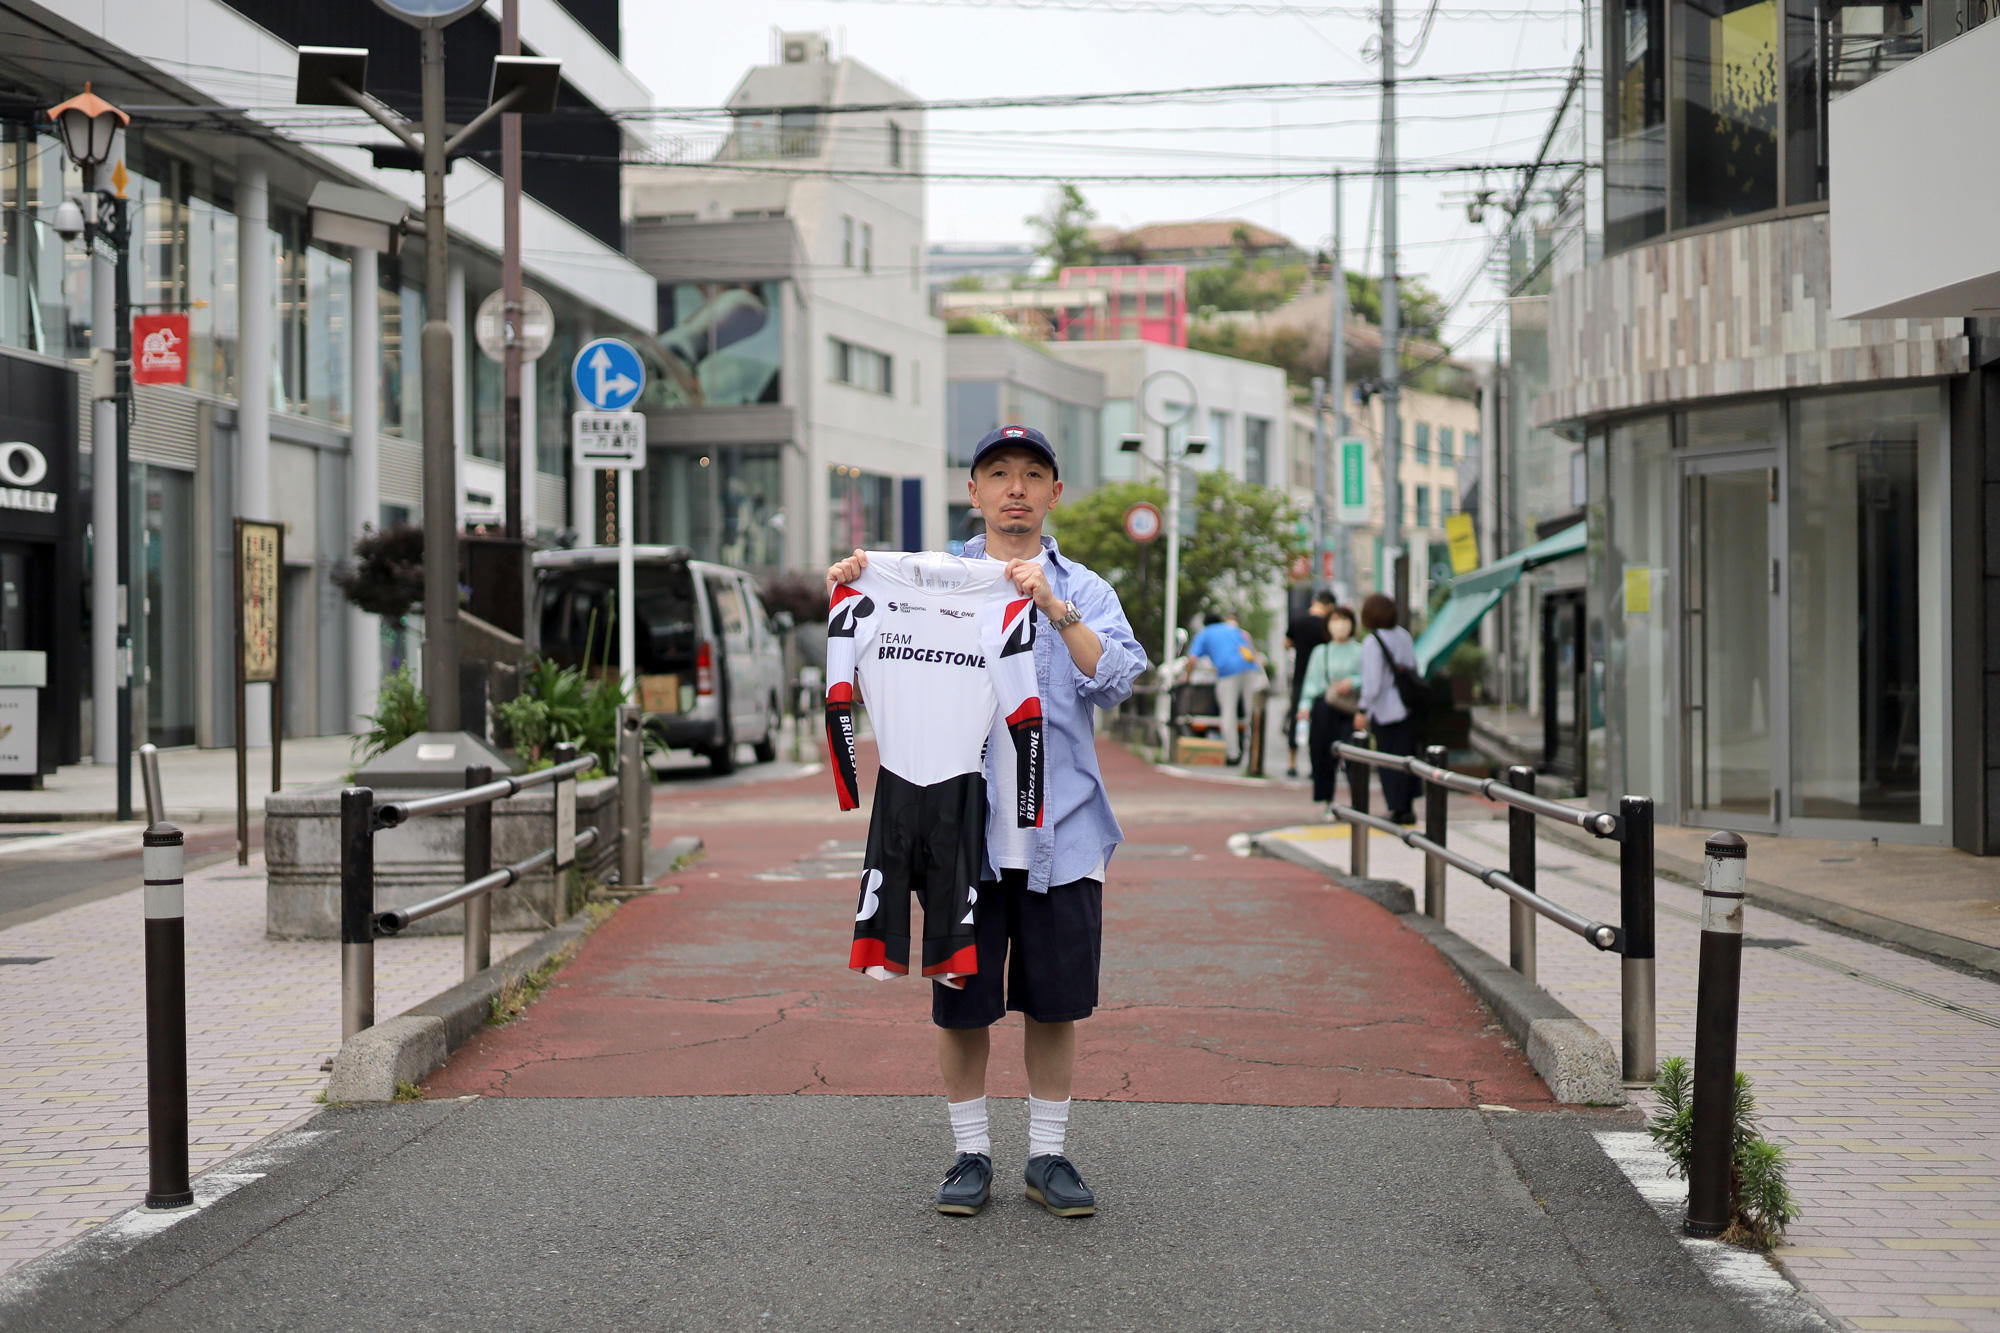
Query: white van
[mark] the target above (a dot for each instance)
(710, 665)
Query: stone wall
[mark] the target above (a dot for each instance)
(1732, 311)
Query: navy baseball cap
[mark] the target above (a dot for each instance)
(1016, 437)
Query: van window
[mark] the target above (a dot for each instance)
(732, 618)
(579, 616)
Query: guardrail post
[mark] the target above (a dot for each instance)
(1436, 811)
(565, 831)
(631, 801)
(1711, 1163)
(357, 910)
(1635, 905)
(1521, 869)
(1358, 779)
(162, 856)
(478, 861)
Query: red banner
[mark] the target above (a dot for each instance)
(159, 349)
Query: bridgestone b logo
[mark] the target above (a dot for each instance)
(840, 625)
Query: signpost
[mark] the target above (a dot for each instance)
(260, 561)
(608, 375)
(1351, 502)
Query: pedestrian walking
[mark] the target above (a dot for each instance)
(1387, 715)
(1306, 632)
(1038, 917)
(1238, 674)
(1329, 697)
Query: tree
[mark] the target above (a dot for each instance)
(1062, 229)
(386, 577)
(1245, 537)
(1423, 309)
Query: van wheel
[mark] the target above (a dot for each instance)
(722, 759)
(766, 750)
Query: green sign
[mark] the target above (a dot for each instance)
(1351, 502)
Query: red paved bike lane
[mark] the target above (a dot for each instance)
(1226, 980)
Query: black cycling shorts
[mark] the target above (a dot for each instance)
(1046, 946)
(930, 843)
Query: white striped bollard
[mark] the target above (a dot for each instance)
(162, 859)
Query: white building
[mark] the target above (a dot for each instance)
(799, 408)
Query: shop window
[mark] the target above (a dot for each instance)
(1726, 108)
(1635, 132)
(1256, 451)
(860, 511)
(861, 367)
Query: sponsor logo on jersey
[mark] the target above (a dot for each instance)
(1019, 621)
(892, 652)
(907, 608)
(840, 741)
(955, 614)
(1025, 725)
(849, 608)
(871, 895)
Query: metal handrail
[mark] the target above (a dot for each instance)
(397, 918)
(1599, 823)
(393, 814)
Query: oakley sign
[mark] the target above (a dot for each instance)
(23, 466)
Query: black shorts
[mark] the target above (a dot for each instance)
(930, 843)
(1045, 945)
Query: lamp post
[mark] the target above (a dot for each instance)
(89, 128)
(335, 76)
(1171, 460)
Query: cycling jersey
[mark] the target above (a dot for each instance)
(940, 646)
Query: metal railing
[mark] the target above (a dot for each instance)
(1631, 828)
(361, 819)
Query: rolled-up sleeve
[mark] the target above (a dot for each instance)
(1123, 659)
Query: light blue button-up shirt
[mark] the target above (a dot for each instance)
(1078, 832)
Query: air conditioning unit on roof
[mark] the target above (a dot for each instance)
(805, 48)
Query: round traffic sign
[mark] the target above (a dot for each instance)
(608, 375)
(534, 330)
(1142, 522)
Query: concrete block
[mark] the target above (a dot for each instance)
(1576, 1061)
(400, 1050)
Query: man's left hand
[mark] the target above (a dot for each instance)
(1033, 580)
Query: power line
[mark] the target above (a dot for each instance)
(1214, 8)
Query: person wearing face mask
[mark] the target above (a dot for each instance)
(1328, 698)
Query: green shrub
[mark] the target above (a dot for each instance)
(561, 703)
(1761, 1205)
(401, 711)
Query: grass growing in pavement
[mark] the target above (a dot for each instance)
(1761, 1203)
(407, 1091)
(515, 997)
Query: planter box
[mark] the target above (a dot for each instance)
(422, 859)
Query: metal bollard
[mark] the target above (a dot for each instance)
(631, 800)
(1436, 811)
(357, 910)
(564, 840)
(149, 776)
(1712, 1161)
(1635, 907)
(478, 861)
(166, 1019)
(1358, 777)
(1521, 869)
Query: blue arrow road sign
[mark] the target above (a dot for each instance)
(608, 375)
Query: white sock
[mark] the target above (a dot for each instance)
(1047, 1122)
(969, 1125)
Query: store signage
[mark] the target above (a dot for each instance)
(1464, 543)
(19, 733)
(23, 468)
(1351, 494)
(160, 349)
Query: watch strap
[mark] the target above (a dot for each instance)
(1069, 617)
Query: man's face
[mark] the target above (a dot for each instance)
(1013, 490)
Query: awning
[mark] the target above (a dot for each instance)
(1474, 594)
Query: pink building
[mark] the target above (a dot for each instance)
(1143, 302)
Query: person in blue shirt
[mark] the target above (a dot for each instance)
(1038, 920)
(1238, 673)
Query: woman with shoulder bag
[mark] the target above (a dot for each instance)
(1328, 698)
(1385, 710)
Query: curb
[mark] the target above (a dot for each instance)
(409, 1046)
(1805, 907)
(1574, 1059)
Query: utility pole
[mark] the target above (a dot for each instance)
(1320, 516)
(1336, 386)
(1392, 334)
(518, 476)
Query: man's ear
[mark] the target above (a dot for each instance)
(1055, 496)
(972, 491)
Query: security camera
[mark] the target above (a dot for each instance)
(68, 220)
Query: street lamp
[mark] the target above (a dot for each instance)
(1171, 458)
(335, 76)
(89, 126)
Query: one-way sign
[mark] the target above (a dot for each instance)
(608, 440)
(608, 375)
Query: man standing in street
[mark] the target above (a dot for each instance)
(1238, 675)
(1038, 920)
(1306, 632)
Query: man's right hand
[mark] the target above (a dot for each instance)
(845, 571)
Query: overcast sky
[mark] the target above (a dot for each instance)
(693, 55)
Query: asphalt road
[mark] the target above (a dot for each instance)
(812, 1212)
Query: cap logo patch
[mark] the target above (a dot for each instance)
(1016, 434)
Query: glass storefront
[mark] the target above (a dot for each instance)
(721, 344)
(718, 501)
(1773, 586)
(860, 510)
(1726, 109)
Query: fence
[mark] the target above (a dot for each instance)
(361, 819)
(1631, 828)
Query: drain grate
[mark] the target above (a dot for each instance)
(23, 960)
(1771, 942)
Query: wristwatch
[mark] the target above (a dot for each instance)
(1069, 617)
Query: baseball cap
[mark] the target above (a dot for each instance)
(1016, 437)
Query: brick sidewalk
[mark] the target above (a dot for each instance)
(262, 1015)
(1887, 1104)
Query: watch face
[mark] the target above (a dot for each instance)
(429, 11)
